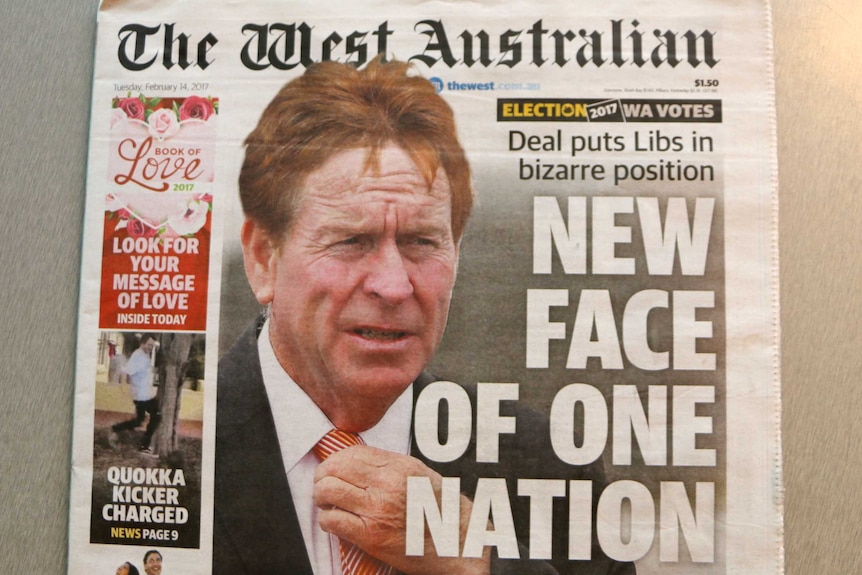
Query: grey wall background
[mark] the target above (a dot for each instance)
(45, 73)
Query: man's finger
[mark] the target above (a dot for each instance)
(333, 491)
(349, 469)
(377, 536)
(366, 466)
(341, 523)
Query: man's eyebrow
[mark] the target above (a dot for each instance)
(425, 229)
(345, 229)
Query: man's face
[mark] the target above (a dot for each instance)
(148, 345)
(153, 564)
(361, 283)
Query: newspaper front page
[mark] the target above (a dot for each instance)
(525, 251)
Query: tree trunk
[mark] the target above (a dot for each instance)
(174, 350)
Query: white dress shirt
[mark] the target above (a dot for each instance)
(300, 424)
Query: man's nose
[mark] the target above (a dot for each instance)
(387, 275)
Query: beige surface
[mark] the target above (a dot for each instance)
(46, 65)
(819, 83)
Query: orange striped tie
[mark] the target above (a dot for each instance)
(354, 561)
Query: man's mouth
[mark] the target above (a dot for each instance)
(381, 335)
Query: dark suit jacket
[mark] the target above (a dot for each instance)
(255, 526)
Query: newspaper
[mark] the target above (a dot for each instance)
(606, 394)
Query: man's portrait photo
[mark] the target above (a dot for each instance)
(356, 193)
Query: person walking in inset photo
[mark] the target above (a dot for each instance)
(139, 369)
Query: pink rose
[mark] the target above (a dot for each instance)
(136, 228)
(196, 108)
(163, 124)
(133, 107)
(189, 217)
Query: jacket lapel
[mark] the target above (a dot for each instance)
(250, 477)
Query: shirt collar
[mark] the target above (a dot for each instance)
(300, 423)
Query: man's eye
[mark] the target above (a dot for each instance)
(351, 245)
(419, 241)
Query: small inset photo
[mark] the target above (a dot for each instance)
(147, 438)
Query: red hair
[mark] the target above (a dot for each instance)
(334, 107)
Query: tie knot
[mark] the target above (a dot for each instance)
(334, 441)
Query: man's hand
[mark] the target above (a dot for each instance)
(362, 494)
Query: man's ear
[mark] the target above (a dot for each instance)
(259, 254)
